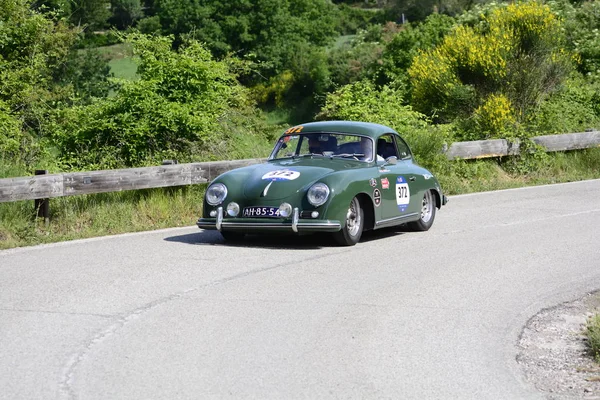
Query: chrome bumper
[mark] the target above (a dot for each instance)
(251, 224)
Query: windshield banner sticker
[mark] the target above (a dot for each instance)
(281, 175)
(402, 194)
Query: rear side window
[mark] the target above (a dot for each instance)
(403, 149)
(386, 147)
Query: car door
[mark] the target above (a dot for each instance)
(398, 189)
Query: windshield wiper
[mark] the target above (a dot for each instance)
(349, 155)
(310, 155)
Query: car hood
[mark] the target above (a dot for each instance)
(280, 179)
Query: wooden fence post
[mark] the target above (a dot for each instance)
(42, 206)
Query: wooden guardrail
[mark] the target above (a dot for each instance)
(115, 180)
(69, 184)
(502, 147)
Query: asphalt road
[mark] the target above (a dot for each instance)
(178, 314)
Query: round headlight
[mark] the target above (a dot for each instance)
(233, 209)
(318, 194)
(285, 210)
(216, 193)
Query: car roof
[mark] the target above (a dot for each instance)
(360, 128)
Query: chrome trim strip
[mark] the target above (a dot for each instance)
(219, 218)
(390, 221)
(264, 193)
(330, 226)
(295, 218)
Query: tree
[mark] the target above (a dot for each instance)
(92, 14)
(32, 47)
(418, 10)
(125, 13)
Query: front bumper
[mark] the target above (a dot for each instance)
(250, 225)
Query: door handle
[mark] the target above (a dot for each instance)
(412, 179)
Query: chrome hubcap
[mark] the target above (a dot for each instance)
(427, 207)
(353, 218)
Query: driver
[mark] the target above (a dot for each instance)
(314, 145)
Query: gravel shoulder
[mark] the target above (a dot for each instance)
(553, 354)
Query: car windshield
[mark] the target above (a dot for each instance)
(339, 145)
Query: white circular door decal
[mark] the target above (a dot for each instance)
(281, 175)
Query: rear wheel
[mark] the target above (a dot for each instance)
(352, 230)
(232, 236)
(428, 208)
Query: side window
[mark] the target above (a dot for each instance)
(403, 150)
(386, 147)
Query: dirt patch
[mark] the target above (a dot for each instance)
(553, 351)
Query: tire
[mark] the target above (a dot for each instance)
(428, 209)
(230, 236)
(352, 230)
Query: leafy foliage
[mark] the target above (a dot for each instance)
(582, 28)
(88, 73)
(173, 111)
(575, 108)
(32, 47)
(125, 13)
(406, 44)
(93, 14)
(363, 101)
(513, 51)
(592, 332)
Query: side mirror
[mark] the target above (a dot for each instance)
(392, 160)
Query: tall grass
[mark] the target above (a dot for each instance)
(592, 332)
(100, 214)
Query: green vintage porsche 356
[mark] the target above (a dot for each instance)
(338, 176)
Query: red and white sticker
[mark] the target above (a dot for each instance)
(385, 183)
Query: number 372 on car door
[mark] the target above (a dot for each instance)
(402, 193)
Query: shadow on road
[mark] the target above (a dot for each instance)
(276, 241)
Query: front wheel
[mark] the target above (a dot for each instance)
(428, 208)
(352, 230)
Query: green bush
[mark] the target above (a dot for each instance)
(575, 108)
(582, 28)
(363, 101)
(173, 111)
(353, 18)
(87, 72)
(593, 334)
(407, 43)
(11, 135)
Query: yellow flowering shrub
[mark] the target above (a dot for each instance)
(494, 118)
(508, 61)
(275, 90)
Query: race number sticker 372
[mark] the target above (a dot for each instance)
(281, 175)
(402, 194)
